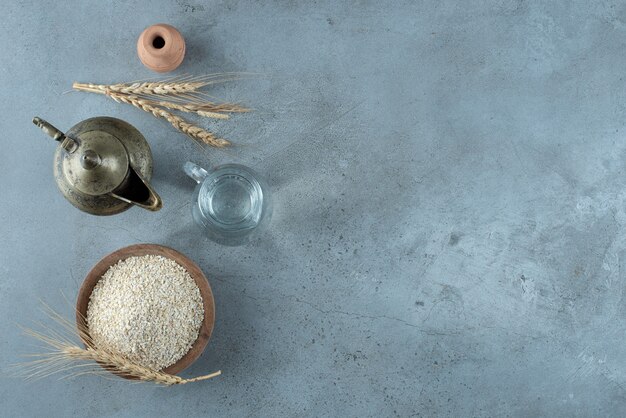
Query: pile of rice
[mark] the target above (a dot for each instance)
(147, 308)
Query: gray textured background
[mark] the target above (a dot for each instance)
(449, 204)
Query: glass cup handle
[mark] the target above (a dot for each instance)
(195, 171)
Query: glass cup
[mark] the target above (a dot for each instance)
(231, 202)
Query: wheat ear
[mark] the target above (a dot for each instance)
(170, 86)
(119, 364)
(63, 355)
(190, 108)
(176, 121)
(207, 109)
(157, 88)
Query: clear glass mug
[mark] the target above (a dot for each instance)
(231, 202)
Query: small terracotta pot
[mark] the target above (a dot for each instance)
(161, 48)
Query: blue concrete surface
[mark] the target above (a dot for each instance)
(449, 180)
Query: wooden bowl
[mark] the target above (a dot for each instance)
(152, 249)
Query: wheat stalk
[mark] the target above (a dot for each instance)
(191, 108)
(157, 88)
(120, 364)
(179, 94)
(171, 86)
(207, 109)
(176, 121)
(65, 356)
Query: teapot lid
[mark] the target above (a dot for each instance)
(98, 166)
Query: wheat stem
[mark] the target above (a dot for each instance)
(142, 88)
(65, 356)
(191, 108)
(176, 121)
(120, 364)
(178, 93)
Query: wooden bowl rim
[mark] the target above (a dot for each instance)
(192, 268)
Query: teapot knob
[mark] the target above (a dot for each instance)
(90, 159)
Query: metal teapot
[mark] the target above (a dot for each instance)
(103, 165)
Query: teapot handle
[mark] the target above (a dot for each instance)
(70, 145)
(195, 171)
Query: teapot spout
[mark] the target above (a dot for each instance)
(69, 144)
(137, 191)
